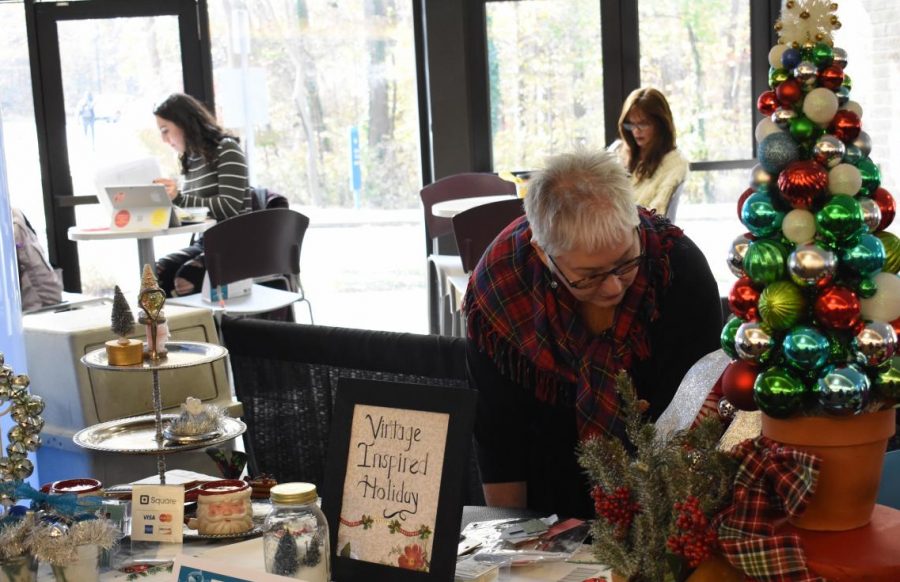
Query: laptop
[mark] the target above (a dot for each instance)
(137, 208)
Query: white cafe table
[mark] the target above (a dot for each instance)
(146, 255)
(450, 208)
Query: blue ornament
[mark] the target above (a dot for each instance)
(806, 347)
(790, 58)
(776, 151)
(843, 95)
(853, 155)
(843, 390)
(866, 258)
(760, 216)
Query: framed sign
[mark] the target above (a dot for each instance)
(393, 484)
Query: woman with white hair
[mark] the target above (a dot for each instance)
(584, 286)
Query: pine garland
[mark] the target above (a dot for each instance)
(636, 491)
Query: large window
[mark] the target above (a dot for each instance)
(323, 94)
(545, 79)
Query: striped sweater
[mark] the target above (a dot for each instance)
(222, 187)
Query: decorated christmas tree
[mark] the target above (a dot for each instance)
(122, 320)
(817, 300)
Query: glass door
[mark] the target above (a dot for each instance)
(103, 67)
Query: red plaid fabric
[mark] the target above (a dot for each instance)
(710, 406)
(530, 326)
(773, 481)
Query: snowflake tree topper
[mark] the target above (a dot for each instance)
(807, 22)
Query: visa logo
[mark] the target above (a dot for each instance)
(149, 517)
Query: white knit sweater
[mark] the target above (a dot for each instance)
(656, 191)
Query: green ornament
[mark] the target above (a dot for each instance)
(848, 82)
(865, 258)
(760, 216)
(866, 288)
(779, 393)
(887, 380)
(777, 76)
(840, 220)
(802, 129)
(727, 336)
(781, 305)
(822, 55)
(871, 175)
(764, 261)
(807, 53)
(806, 348)
(891, 245)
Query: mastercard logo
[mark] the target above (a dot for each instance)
(123, 217)
(165, 517)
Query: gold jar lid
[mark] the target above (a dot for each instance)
(293, 493)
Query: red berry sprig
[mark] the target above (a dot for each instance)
(617, 508)
(694, 538)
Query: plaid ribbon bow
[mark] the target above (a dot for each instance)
(772, 481)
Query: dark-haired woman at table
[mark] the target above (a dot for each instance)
(648, 149)
(215, 176)
(584, 286)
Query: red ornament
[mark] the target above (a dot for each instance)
(803, 183)
(737, 384)
(837, 308)
(789, 92)
(831, 77)
(845, 125)
(744, 299)
(740, 205)
(896, 325)
(885, 203)
(767, 102)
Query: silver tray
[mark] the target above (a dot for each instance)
(181, 355)
(137, 435)
(192, 534)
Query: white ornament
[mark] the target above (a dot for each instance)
(765, 128)
(799, 226)
(854, 107)
(775, 56)
(820, 105)
(844, 179)
(885, 304)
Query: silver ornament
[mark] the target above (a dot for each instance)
(18, 412)
(32, 442)
(864, 143)
(752, 342)
(736, 254)
(16, 450)
(57, 530)
(843, 391)
(18, 394)
(829, 151)
(726, 409)
(34, 405)
(840, 57)
(806, 74)
(759, 177)
(17, 434)
(32, 424)
(22, 380)
(782, 117)
(810, 265)
(871, 212)
(22, 469)
(4, 393)
(5, 466)
(876, 343)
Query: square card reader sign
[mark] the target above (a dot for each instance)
(157, 513)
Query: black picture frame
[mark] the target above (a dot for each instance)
(459, 404)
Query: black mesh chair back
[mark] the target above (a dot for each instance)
(286, 376)
(476, 228)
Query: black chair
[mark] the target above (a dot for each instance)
(265, 246)
(476, 228)
(286, 376)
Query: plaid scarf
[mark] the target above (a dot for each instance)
(530, 325)
(772, 480)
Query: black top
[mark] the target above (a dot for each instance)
(522, 439)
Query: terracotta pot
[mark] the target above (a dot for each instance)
(852, 452)
(716, 569)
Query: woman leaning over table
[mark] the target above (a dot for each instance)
(215, 176)
(583, 286)
(648, 151)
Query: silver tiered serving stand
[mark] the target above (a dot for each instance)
(144, 434)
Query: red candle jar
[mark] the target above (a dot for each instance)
(76, 486)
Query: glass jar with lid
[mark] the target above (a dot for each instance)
(295, 534)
